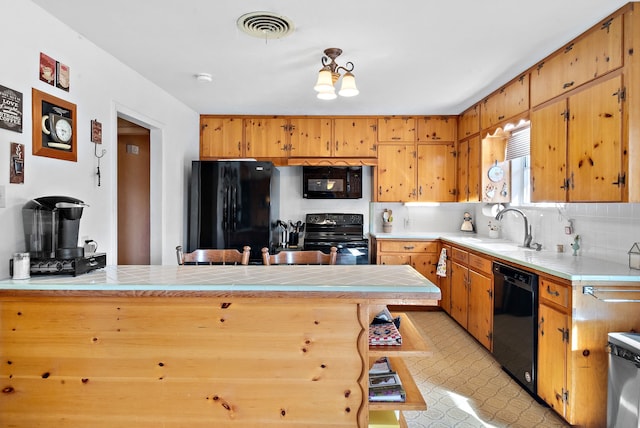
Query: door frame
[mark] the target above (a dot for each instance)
(156, 183)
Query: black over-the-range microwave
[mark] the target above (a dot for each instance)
(332, 182)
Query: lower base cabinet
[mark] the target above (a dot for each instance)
(421, 255)
(472, 294)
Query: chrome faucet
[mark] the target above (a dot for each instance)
(527, 228)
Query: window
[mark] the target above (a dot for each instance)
(518, 152)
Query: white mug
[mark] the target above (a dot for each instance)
(90, 247)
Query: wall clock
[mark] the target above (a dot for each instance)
(496, 173)
(54, 127)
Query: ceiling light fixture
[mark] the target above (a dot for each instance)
(329, 75)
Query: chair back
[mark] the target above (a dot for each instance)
(214, 257)
(299, 257)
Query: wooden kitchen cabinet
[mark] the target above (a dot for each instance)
(266, 137)
(594, 54)
(355, 137)
(221, 137)
(469, 122)
(421, 255)
(506, 103)
(472, 294)
(436, 173)
(396, 129)
(310, 137)
(468, 170)
(395, 174)
(576, 146)
(436, 128)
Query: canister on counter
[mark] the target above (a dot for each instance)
(21, 266)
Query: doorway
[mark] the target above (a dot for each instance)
(134, 171)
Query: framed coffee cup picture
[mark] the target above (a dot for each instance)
(54, 127)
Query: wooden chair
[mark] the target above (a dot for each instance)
(214, 257)
(299, 257)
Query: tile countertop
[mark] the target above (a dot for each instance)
(358, 281)
(562, 265)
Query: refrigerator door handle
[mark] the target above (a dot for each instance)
(225, 209)
(234, 208)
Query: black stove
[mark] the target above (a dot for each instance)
(343, 231)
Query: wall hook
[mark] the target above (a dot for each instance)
(96, 138)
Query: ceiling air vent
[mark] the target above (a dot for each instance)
(265, 25)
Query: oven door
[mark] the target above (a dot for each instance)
(353, 256)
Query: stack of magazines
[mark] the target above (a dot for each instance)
(384, 329)
(384, 383)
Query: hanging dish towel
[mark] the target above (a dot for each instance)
(441, 270)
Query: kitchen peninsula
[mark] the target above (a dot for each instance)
(171, 346)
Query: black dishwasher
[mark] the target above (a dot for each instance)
(515, 338)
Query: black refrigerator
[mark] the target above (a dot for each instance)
(233, 204)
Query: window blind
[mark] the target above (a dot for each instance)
(518, 143)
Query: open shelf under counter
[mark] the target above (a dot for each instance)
(413, 343)
(414, 399)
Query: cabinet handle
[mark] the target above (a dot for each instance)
(395, 138)
(553, 293)
(420, 190)
(500, 117)
(541, 326)
(408, 248)
(568, 85)
(621, 180)
(329, 146)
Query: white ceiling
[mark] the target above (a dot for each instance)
(411, 56)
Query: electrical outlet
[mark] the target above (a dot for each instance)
(3, 197)
(407, 223)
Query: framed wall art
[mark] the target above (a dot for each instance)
(16, 163)
(54, 127)
(10, 109)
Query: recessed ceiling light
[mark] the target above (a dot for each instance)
(265, 25)
(204, 77)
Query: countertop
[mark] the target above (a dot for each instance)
(357, 281)
(562, 265)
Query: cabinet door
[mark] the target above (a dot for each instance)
(469, 122)
(473, 170)
(426, 264)
(436, 129)
(592, 56)
(396, 173)
(220, 137)
(553, 330)
(436, 166)
(595, 143)
(310, 137)
(549, 153)
(397, 129)
(462, 176)
(507, 102)
(355, 138)
(266, 137)
(480, 312)
(459, 293)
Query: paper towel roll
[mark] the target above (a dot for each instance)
(491, 210)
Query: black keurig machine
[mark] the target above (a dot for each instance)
(51, 226)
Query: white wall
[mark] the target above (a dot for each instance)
(101, 87)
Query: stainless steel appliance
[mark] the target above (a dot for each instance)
(343, 231)
(51, 226)
(515, 343)
(233, 204)
(332, 182)
(623, 391)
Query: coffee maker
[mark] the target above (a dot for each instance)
(51, 226)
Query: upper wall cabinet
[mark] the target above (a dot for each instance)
(597, 52)
(397, 129)
(221, 137)
(506, 103)
(310, 137)
(266, 137)
(436, 129)
(355, 137)
(469, 122)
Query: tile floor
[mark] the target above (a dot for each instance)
(464, 386)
